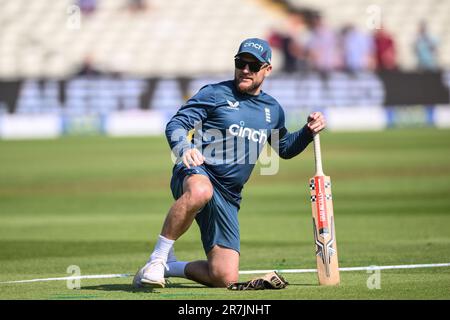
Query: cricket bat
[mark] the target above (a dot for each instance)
(323, 222)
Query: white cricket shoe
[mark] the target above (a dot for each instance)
(152, 274)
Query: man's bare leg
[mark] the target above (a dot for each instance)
(198, 190)
(221, 268)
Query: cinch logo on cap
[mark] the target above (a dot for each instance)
(257, 46)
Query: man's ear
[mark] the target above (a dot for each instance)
(268, 70)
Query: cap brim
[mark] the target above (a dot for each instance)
(260, 59)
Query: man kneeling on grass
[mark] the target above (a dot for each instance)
(233, 120)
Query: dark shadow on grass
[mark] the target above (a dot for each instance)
(118, 287)
(131, 289)
(186, 285)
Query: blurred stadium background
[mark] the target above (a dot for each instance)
(123, 67)
(86, 70)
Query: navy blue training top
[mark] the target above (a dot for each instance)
(231, 129)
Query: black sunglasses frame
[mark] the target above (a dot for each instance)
(252, 66)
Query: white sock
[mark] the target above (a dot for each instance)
(162, 248)
(171, 257)
(176, 269)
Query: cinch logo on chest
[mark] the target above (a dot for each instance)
(249, 133)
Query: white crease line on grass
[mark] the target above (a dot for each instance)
(94, 276)
(405, 266)
(126, 275)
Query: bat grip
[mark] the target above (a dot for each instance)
(318, 155)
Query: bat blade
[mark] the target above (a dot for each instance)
(324, 231)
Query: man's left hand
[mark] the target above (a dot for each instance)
(316, 122)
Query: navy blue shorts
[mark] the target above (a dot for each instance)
(218, 220)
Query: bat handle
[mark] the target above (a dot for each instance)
(318, 155)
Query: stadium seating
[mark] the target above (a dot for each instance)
(177, 37)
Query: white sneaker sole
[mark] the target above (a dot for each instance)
(153, 284)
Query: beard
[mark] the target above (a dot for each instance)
(248, 89)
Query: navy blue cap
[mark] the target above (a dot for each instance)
(259, 48)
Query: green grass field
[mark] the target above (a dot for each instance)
(99, 203)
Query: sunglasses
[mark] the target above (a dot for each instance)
(252, 66)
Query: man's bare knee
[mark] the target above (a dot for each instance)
(201, 194)
(223, 266)
(222, 278)
(199, 191)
